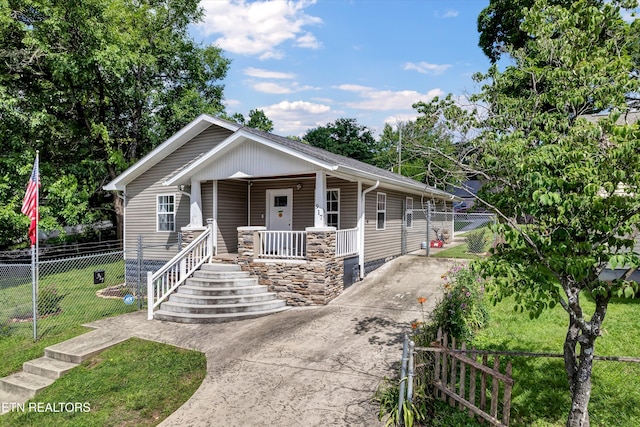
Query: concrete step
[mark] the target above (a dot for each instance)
(221, 299)
(24, 384)
(48, 367)
(209, 274)
(177, 307)
(221, 291)
(10, 401)
(82, 347)
(220, 267)
(221, 282)
(213, 318)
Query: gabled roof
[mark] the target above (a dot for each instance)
(163, 150)
(322, 159)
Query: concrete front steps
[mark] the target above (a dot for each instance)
(58, 359)
(219, 293)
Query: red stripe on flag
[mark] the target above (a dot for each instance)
(30, 202)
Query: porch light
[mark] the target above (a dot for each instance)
(298, 186)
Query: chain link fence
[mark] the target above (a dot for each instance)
(72, 291)
(464, 222)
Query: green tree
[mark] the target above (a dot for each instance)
(346, 137)
(257, 120)
(499, 25)
(416, 139)
(566, 186)
(95, 85)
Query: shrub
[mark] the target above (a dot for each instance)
(461, 312)
(49, 300)
(476, 242)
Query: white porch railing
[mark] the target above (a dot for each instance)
(175, 272)
(346, 242)
(282, 244)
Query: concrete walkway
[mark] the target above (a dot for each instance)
(316, 366)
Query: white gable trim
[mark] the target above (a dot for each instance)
(163, 150)
(230, 143)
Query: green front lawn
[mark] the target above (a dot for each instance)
(540, 394)
(135, 383)
(79, 305)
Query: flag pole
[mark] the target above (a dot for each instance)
(34, 254)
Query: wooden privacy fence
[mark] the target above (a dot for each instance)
(461, 379)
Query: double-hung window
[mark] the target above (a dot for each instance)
(166, 212)
(409, 212)
(381, 211)
(333, 208)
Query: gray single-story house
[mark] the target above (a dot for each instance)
(246, 184)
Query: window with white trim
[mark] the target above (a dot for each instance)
(166, 212)
(381, 211)
(333, 208)
(409, 212)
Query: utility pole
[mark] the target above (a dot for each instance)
(399, 149)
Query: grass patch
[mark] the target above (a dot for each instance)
(135, 383)
(540, 394)
(73, 280)
(459, 252)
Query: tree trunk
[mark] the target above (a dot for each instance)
(118, 206)
(579, 367)
(580, 386)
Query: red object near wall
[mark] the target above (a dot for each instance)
(436, 244)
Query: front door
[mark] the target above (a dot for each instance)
(280, 209)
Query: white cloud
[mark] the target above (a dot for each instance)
(267, 74)
(450, 13)
(231, 102)
(258, 28)
(385, 100)
(308, 41)
(269, 87)
(426, 68)
(295, 118)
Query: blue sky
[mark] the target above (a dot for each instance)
(307, 63)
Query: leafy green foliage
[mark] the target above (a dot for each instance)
(416, 139)
(461, 312)
(95, 85)
(345, 137)
(476, 241)
(565, 183)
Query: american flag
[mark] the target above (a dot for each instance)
(30, 202)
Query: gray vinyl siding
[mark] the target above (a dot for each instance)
(348, 201)
(381, 244)
(142, 193)
(232, 213)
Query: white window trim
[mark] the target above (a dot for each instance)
(327, 212)
(408, 211)
(384, 211)
(165, 213)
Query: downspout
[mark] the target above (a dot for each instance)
(361, 227)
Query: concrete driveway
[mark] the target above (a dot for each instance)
(316, 366)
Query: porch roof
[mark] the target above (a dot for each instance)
(316, 158)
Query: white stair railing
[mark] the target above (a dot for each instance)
(282, 244)
(175, 272)
(346, 242)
